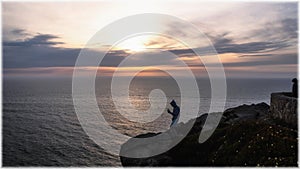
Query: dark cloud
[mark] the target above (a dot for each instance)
(113, 58)
(47, 56)
(275, 59)
(272, 35)
(21, 32)
(252, 47)
(149, 58)
(254, 55)
(219, 40)
(29, 71)
(38, 56)
(290, 27)
(226, 45)
(259, 60)
(40, 39)
(38, 51)
(280, 31)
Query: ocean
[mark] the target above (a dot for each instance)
(40, 126)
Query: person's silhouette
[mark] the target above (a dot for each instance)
(295, 87)
(175, 113)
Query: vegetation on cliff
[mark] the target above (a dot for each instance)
(246, 136)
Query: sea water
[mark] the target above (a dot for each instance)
(40, 126)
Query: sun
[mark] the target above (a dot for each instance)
(134, 44)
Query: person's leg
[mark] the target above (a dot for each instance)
(176, 121)
(172, 123)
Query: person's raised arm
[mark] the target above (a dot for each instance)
(170, 112)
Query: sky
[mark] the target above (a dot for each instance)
(252, 39)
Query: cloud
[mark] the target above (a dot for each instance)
(48, 56)
(20, 32)
(36, 51)
(290, 27)
(223, 44)
(250, 47)
(284, 30)
(40, 39)
(272, 59)
(113, 58)
(250, 29)
(39, 51)
(249, 35)
(38, 56)
(257, 60)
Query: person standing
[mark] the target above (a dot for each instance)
(175, 113)
(295, 87)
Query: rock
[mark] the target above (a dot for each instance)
(284, 108)
(239, 140)
(246, 112)
(142, 148)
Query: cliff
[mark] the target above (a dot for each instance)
(284, 108)
(246, 136)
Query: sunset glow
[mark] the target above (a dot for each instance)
(29, 42)
(135, 44)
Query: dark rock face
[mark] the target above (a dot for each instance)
(240, 140)
(164, 159)
(284, 107)
(246, 112)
